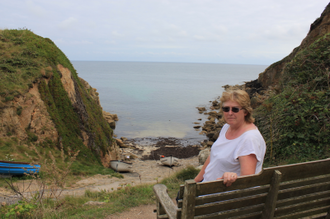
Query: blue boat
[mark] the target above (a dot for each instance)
(18, 168)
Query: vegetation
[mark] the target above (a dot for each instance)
(295, 120)
(27, 60)
(114, 201)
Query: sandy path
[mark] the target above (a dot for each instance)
(149, 171)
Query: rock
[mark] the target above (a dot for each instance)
(120, 143)
(94, 203)
(209, 143)
(129, 156)
(213, 113)
(110, 118)
(10, 200)
(210, 135)
(203, 155)
(197, 127)
(123, 139)
(201, 109)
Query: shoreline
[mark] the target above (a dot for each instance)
(152, 148)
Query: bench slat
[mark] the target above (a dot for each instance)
(304, 206)
(304, 198)
(303, 190)
(230, 204)
(255, 210)
(316, 211)
(305, 181)
(231, 195)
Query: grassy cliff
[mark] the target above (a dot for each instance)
(295, 119)
(27, 61)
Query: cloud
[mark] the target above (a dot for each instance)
(116, 34)
(68, 23)
(36, 9)
(74, 42)
(201, 29)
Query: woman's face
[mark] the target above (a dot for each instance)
(231, 117)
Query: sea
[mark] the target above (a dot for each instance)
(159, 99)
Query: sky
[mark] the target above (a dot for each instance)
(200, 31)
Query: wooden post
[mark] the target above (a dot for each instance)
(328, 214)
(189, 195)
(160, 208)
(269, 209)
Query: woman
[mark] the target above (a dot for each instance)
(240, 147)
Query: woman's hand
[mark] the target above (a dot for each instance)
(228, 178)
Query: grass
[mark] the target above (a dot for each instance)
(114, 202)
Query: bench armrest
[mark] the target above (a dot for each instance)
(165, 201)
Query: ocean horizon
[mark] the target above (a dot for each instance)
(159, 99)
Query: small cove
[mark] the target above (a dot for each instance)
(158, 100)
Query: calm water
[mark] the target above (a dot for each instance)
(160, 99)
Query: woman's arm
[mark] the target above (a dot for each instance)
(200, 175)
(248, 165)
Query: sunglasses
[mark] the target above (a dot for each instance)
(233, 109)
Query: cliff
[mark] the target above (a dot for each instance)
(318, 28)
(44, 102)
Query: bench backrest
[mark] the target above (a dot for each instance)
(289, 191)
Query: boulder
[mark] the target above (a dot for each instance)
(123, 139)
(110, 118)
(203, 155)
(120, 143)
(201, 109)
(209, 143)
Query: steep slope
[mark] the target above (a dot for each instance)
(44, 102)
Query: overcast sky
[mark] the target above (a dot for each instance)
(206, 31)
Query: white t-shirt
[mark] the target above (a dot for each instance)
(224, 153)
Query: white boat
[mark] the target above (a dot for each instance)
(120, 166)
(169, 161)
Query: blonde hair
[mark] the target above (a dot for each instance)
(242, 98)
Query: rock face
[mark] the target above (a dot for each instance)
(27, 115)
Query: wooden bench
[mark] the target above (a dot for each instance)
(289, 191)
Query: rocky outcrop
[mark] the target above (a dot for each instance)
(26, 117)
(110, 118)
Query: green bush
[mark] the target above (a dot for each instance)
(296, 122)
